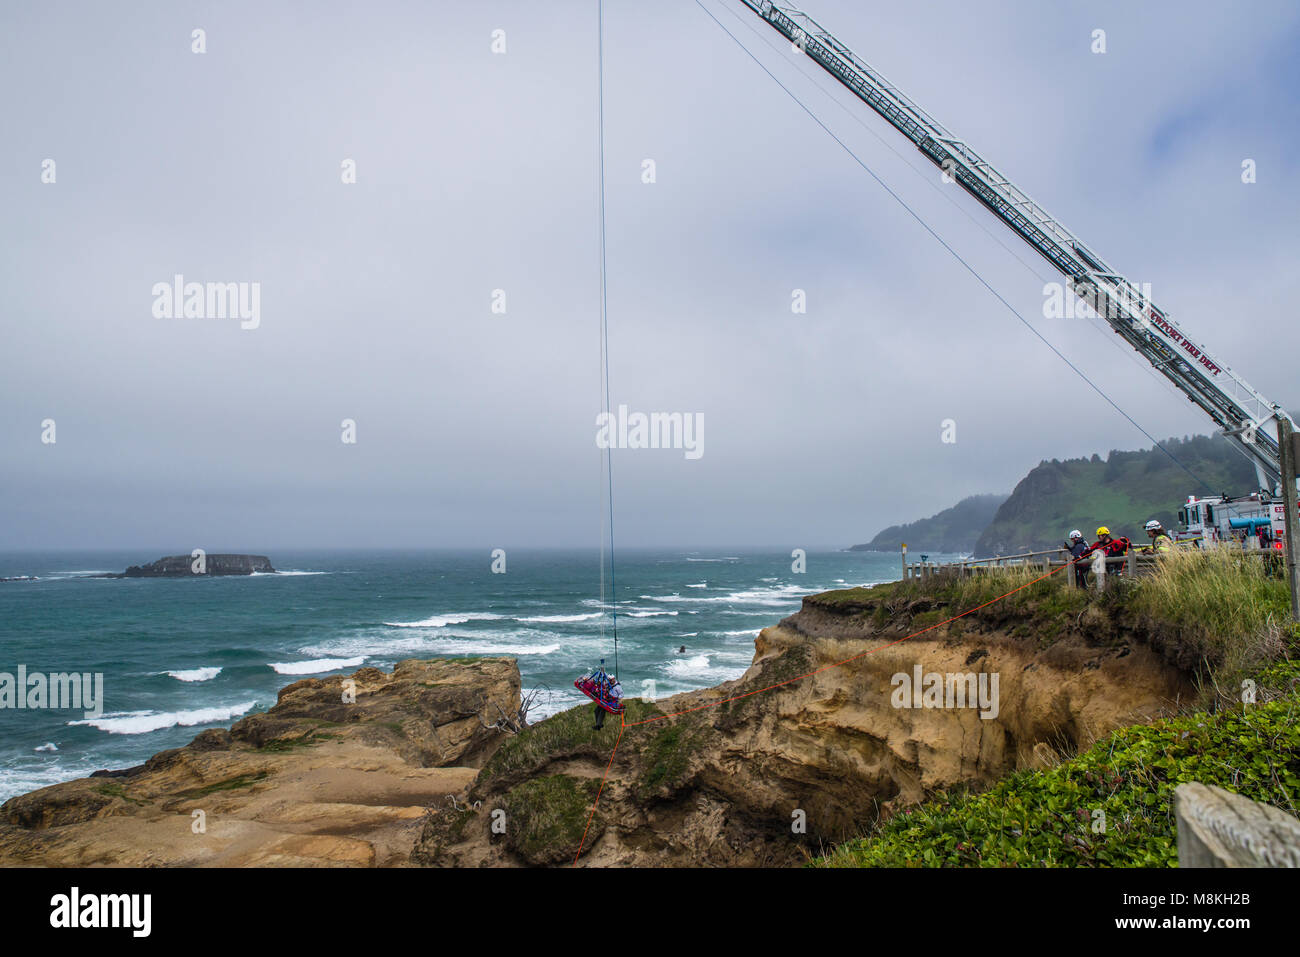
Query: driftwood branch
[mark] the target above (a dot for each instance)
(506, 721)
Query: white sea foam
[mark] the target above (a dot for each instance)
(774, 596)
(701, 668)
(31, 772)
(699, 585)
(316, 666)
(194, 674)
(562, 618)
(142, 722)
(392, 646)
(47, 746)
(471, 646)
(655, 613)
(442, 621)
(695, 664)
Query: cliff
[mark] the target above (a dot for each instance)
(773, 777)
(421, 768)
(314, 781)
(181, 566)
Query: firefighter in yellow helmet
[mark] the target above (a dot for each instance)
(1111, 547)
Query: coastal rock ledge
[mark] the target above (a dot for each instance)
(428, 765)
(318, 780)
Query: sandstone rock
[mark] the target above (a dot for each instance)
(313, 781)
(733, 783)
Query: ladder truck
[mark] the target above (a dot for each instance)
(1260, 429)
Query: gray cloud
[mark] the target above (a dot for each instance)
(477, 172)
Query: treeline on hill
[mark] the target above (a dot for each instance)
(954, 529)
(1121, 491)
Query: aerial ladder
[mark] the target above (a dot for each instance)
(1243, 414)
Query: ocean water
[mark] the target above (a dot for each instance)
(179, 656)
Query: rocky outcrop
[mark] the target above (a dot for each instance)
(780, 770)
(813, 744)
(338, 773)
(182, 566)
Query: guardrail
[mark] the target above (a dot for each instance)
(1134, 563)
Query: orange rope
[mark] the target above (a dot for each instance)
(621, 725)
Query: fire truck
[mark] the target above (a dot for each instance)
(1252, 521)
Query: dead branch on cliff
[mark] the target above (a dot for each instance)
(507, 721)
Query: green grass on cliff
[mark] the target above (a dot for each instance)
(547, 817)
(1222, 609)
(1111, 806)
(1227, 608)
(567, 734)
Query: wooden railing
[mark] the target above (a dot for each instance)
(1133, 563)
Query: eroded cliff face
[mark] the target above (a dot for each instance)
(733, 783)
(759, 771)
(317, 780)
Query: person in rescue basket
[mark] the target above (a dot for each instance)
(612, 691)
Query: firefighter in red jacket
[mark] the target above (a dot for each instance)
(1111, 547)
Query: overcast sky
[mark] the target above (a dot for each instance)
(477, 171)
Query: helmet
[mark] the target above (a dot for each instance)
(1103, 530)
(1154, 525)
(1076, 534)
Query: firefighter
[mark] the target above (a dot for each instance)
(1160, 540)
(1078, 548)
(1108, 545)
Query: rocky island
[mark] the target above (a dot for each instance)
(182, 566)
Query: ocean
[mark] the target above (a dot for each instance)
(179, 656)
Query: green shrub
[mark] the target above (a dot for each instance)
(1048, 818)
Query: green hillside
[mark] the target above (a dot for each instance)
(1122, 491)
(953, 530)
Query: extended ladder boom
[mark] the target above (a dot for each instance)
(1238, 409)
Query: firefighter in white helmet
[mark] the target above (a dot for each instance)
(1161, 543)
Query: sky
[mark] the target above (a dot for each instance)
(476, 170)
